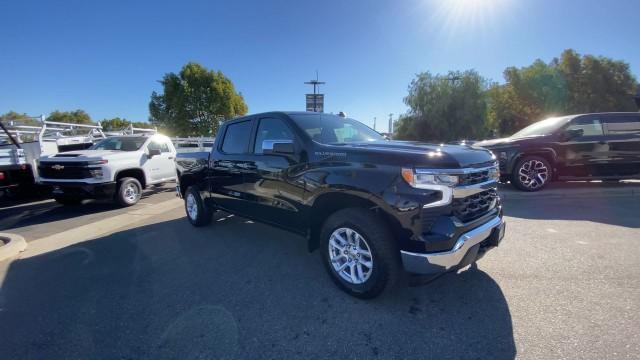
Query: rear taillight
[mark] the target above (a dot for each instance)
(1, 176)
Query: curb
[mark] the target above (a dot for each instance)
(13, 244)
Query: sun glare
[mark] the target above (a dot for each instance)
(467, 15)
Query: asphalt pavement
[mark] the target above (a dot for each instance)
(565, 283)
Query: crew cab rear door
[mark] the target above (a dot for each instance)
(586, 154)
(230, 160)
(623, 137)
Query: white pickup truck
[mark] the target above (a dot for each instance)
(118, 167)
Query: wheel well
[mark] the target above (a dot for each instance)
(134, 173)
(186, 181)
(327, 204)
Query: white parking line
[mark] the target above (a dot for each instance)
(98, 228)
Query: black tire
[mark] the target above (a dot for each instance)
(532, 173)
(128, 191)
(199, 215)
(68, 200)
(385, 257)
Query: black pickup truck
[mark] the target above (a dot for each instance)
(371, 205)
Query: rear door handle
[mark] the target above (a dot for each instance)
(170, 157)
(602, 142)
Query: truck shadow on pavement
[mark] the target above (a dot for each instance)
(234, 289)
(24, 213)
(613, 210)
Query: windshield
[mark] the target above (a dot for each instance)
(333, 130)
(544, 127)
(119, 143)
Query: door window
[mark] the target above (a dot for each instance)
(158, 145)
(590, 126)
(271, 129)
(236, 138)
(623, 124)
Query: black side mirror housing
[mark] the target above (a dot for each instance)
(574, 133)
(153, 152)
(278, 147)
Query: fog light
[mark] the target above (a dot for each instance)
(96, 173)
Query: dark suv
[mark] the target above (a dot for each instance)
(603, 146)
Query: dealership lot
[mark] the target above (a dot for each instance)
(565, 283)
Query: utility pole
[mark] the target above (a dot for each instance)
(391, 125)
(316, 88)
(374, 123)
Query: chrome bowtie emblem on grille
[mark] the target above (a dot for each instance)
(57, 167)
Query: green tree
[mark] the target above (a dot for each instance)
(530, 93)
(114, 124)
(194, 101)
(597, 84)
(73, 117)
(571, 84)
(444, 107)
(20, 119)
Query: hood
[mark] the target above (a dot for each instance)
(506, 142)
(425, 154)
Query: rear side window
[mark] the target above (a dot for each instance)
(591, 126)
(623, 124)
(236, 138)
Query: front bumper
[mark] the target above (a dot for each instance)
(469, 247)
(82, 190)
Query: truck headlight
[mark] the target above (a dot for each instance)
(424, 179)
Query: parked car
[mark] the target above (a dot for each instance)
(372, 206)
(118, 167)
(602, 146)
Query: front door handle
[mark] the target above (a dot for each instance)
(170, 157)
(602, 142)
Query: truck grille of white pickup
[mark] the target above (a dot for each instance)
(474, 206)
(64, 170)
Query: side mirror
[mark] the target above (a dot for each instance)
(574, 133)
(153, 152)
(278, 147)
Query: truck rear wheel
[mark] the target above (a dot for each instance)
(128, 191)
(359, 252)
(197, 213)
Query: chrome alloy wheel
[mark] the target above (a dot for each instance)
(533, 174)
(350, 256)
(192, 207)
(131, 193)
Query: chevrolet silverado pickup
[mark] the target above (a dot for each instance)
(370, 205)
(118, 168)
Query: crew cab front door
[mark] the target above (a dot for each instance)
(623, 137)
(587, 153)
(275, 192)
(160, 167)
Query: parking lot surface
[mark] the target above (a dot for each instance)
(565, 283)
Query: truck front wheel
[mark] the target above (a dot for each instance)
(129, 191)
(359, 252)
(197, 212)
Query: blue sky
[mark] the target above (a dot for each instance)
(106, 57)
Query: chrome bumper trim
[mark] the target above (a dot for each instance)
(443, 261)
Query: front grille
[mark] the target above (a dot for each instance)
(475, 177)
(474, 206)
(75, 170)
